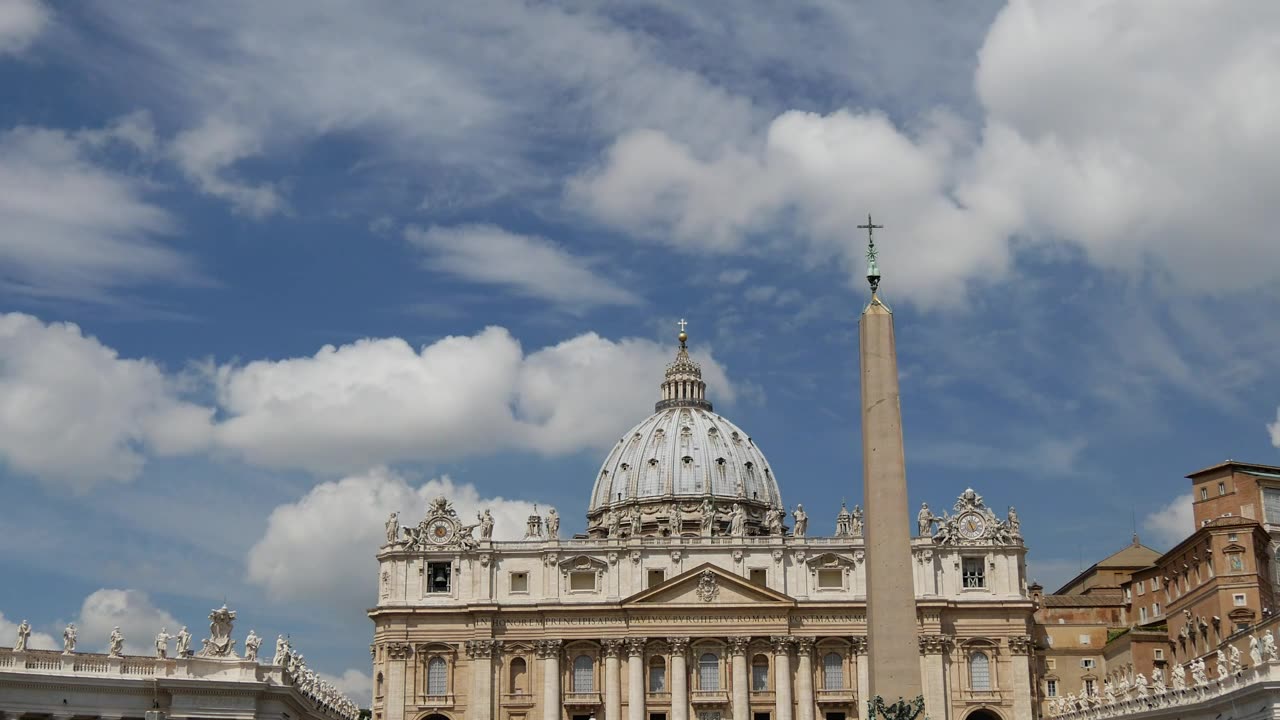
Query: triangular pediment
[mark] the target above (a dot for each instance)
(708, 584)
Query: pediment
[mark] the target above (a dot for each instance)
(706, 585)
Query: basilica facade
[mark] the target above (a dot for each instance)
(692, 594)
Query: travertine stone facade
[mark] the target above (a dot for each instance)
(690, 605)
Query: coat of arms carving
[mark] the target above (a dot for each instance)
(708, 586)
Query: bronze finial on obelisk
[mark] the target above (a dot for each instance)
(895, 686)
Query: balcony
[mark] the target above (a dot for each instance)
(433, 702)
(582, 699)
(709, 697)
(835, 696)
(657, 698)
(518, 699)
(762, 696)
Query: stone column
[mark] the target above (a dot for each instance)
(741, 683)
(805, 704)
(549, 651)
(863, 677)
(891, 598)
(679, 678)
(635, 678)
(480, 704)
(1020, 649)
(933, 649)
(783, 705)
(396, 694)
(612, 678)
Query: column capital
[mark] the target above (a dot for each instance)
(635, 645)
(859, 644)
(483, 648)
(782, 644)
(738, 644)
(612, 647)
(399, 650)
(547, 648)
(934, 644)
(679, 645)
(1021, 644)
(804, 646)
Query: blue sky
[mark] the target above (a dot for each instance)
(273, 269)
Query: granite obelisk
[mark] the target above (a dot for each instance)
(891, 601)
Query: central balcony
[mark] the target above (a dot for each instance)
(435, 702)
(709, 697)
(582, 699)
(838, 696)
(518, 699)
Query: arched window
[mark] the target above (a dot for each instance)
(657, 675)
(437, 677)
(519, 676)
(708, 672)
(379, 686)
(583, 677)
(759, 674)
(832, 671)
(979, 671)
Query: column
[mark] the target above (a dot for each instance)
(741, 683)
(804, 679)
(1020, 649)
(863, 678)
(396, 695)
(612, 678)
(783, 705)
(549, 651)
(480, 704)
(679, 678)
(635, 678)
(933, 674)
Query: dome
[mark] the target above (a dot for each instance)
(680, 457)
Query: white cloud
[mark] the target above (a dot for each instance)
(379, 401)
(1172, 523)
(73, 412)
(70, 226)
(207, 152)
(1274, 430)
(319, 548)
(37, 640)
(21, 21)
(529, 265)
(354, 684)
(1137, 132)
(132, 611)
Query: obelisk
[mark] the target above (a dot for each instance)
(891, 598)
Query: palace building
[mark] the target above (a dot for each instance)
(692, 594)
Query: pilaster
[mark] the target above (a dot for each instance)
(783, 703)
(549, 652)
(1020, 649)
(679, 678)
(805, 702)
(933, 667)
(635, 678)
(613, 648)
(741, 683)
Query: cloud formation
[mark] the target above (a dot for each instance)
(37, 640)
(132, 611)
(529, 265)
(320, 549)
(1172, 523)
(21, 21)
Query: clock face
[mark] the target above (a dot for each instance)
(972, 525)
(440, 531)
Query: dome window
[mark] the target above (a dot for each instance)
(653, 462)
(625, 467)
(720, 461)
(736, 437)
(749, 466)
(713, 431)
(686, 460)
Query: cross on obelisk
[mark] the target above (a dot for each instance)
(873, 272)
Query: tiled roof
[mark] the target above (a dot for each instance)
(1101, 598)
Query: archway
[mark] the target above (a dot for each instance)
(983, 714)
(434, 716)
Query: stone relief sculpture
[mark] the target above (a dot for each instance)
(856, 520)
(1255, 650)
(1237, 663)
(1014, 524)
(1140, 682)
(707, 521)
(220, 625)
(1269, 647)
(553, 524)
(486, 525)
(1224, 669)
(184, 643)
(24, 632)
(637, 520)
(115, 643)
(251, 645)
(1157, 681)
(925, 521)
(282, 651)
(773, 520)
(615, 524)
(69, 639)
(738, 521)
(393, 528)
(1199, 673)
(802, 521)
(1179, 678)
(162, 644)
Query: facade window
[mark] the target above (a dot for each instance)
(709, 672)
(1050, 664)
(1222, 488)
(437, 677)
(974, 572)
(830, 579)
(1128, 596)
(519, 676)
(584, 680)
(439, 576)
(1155, 609)
(1239, 600)
(1051, 688)
(1233, 537)
(1090, 687)
(582, 580)
(1155, 583)
(519, 582)
(1088, 663)
(1158, 654)
(1142, 614)
(656, 577)
(1204, 493)
(759, 576)
(760, 674)
(1084, 639)
(832, 671)
(657, 675)
(1271, 505)
(979, 671)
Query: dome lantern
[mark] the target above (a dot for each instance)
(683, 385)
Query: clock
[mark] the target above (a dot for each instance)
(440, 531)
(972, 525)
